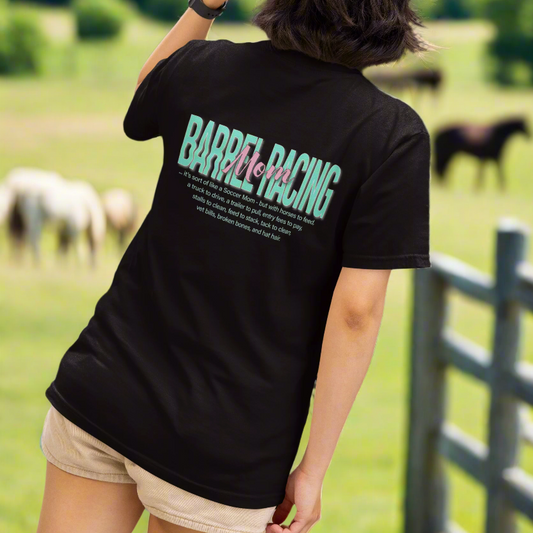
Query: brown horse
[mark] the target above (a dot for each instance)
(417, 79)
(121, 213)
(486, 143)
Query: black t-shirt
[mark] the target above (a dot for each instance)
(278, 170)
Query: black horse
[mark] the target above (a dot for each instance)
(484, 142)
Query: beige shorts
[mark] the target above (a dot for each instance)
(73, 450)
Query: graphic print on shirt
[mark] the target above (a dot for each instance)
(235, 186)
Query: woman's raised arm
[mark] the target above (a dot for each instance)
(190, 26)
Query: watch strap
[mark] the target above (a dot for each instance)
(204, 11)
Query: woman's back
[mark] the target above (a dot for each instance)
(279, 169)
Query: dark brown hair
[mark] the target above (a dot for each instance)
(354, 33)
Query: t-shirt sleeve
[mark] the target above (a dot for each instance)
(142, 120)
(388, 225)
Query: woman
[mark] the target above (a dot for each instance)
(290, 188)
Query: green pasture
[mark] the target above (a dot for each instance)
(70, 120)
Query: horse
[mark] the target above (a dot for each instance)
(26, 186)
(43, 197)
(431, 78)
(486, 143)
(417, 79)
(77, 208)
(121, 213)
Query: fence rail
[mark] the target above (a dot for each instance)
(435, 348)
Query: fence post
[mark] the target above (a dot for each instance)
(504, 421)
(425, 505)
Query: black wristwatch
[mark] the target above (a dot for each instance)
(206, 12)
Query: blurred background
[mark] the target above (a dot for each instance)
(67, 74)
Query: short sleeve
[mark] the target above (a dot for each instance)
(388, 225)
(142, 120)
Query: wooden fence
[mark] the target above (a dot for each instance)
(435, 348)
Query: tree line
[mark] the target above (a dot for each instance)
(511, 48)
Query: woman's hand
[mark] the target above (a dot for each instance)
(305, 491)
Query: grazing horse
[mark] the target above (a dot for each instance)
(26, 186)
(418, 79)
(121, 213)
(486, 143)
(45, 197)
(77, 208)
(431, 78)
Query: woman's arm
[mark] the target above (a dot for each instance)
(350, 336)
(190, 26)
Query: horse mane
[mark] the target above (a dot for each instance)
(510, 125)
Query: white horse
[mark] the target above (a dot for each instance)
(42, 197)
(121, 213)
(76, 208)
(26, 218)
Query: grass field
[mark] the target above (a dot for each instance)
(71, 121)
